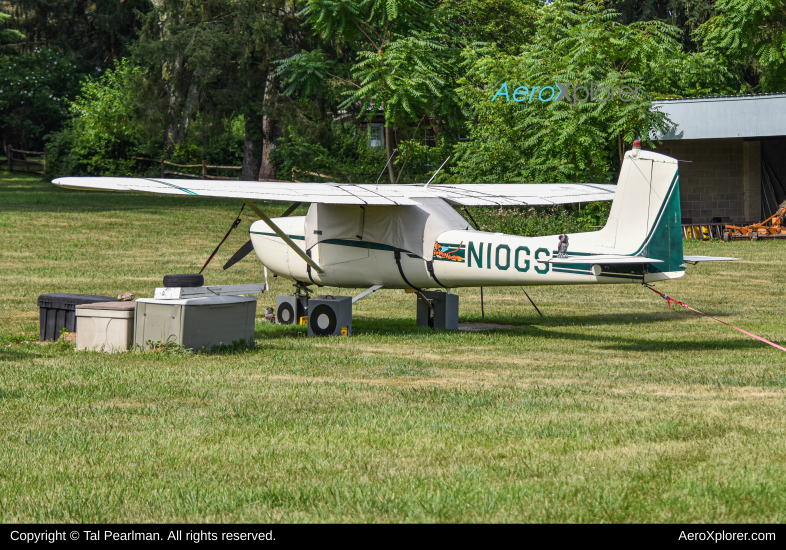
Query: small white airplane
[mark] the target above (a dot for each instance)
(411, 237)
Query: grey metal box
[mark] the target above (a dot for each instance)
(330, 316)
(290, 308)
(195, 322)
(446, 310)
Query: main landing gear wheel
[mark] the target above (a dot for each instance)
(185, 280)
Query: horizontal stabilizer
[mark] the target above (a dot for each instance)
(607, 259)
(697, 259)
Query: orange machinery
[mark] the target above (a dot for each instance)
(771, 228)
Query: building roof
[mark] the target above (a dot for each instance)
(746, 116)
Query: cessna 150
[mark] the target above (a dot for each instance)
(412, 237)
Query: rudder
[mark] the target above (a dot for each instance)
(645, 216)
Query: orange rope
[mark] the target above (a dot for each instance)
(670, 300)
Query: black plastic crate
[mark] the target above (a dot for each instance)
(58, 311)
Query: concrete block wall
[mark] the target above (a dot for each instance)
(751, 180)
(713, 183)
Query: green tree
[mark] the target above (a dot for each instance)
(34, 93)
(8, 35)
(213, 59)
(105, 131)
(97, 32)
(404, 61)
(508, 24)
(521, 138)
(686, 15)
(751, 34)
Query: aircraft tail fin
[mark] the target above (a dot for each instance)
(645, 218)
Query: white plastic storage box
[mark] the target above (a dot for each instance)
(106, 326)
(195, 323)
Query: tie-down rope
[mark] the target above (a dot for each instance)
(670, 300)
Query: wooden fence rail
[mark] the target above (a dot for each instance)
(11, 160)
(204, 166)
(15, 160)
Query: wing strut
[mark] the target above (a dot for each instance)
(365, 293)
(283, 235)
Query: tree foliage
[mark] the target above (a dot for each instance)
(585, 45)
(8, 35)
(402, 62)
(685, 15)
(752, 34)
(283, 84)
(34, 93)
(104, 132)
(97, 32)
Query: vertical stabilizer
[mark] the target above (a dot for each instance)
(645, 217)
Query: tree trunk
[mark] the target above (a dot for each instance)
(171, 73)
(252, 149)
(389, 149)
(438, 128)
(171, 76)
(188, 110)
(267, 169)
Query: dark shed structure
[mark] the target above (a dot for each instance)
(736, 152)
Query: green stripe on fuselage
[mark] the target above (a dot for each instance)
(293, 237)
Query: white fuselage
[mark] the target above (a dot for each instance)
(347, 242)
(471, 258)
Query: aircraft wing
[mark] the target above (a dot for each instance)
(523, 194)
(602, 259)
(285, 191)
(489, 194)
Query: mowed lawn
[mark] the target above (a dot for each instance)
(611, 408)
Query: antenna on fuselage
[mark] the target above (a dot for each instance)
(386, 166)
(437, 172)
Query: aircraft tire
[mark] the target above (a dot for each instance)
(185, 280)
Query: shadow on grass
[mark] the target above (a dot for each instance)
(534, 327)
(618, 343)
(13, 355)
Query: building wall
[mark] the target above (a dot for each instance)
(751, 180)
(722, 178)
(774, 152)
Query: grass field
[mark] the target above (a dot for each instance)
(610, 409)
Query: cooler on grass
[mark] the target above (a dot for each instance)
(195, 323)
(58, 312)
(105, 326)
